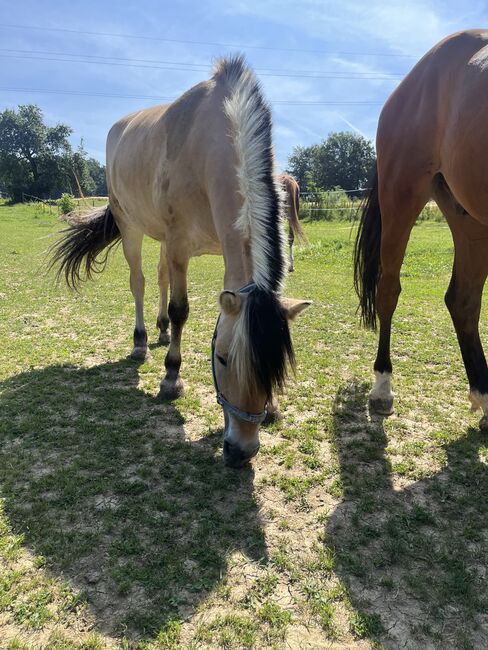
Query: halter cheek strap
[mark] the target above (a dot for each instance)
(245, 416)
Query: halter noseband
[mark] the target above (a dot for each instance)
(245, 416)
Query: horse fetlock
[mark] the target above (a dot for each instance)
(164, 337)
(162, 323)
(140, 338)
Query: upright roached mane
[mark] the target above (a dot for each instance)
(262, 346)
(261, 215)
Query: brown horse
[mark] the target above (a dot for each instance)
(292, 193)
(432, 141)
(198, 176)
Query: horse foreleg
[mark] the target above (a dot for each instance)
(163, 280)
(132, 245)
(178, 309)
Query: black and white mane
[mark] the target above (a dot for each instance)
(262, 347)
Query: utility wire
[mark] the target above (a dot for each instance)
(97, 59)
(188, 42)
(281, 102)
(330, 75)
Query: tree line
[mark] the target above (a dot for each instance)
(38, 160)
(343, 160)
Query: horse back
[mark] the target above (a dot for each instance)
(162, 162)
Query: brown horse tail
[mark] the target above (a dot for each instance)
(294, 221)
(77, 254)
(367, 263)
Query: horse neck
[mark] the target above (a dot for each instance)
(237, 262)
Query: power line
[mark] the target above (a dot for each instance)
(281, 102)
(136, 63)
(188, 42)
(330, 75)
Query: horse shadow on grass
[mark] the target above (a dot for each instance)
(414, 559)
(100, 480)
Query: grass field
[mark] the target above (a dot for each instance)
(121, 528)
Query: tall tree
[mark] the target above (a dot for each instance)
(33, 156)
(344, 160)
(97, 172)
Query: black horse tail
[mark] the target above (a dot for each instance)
(367, 262)
(77, 254)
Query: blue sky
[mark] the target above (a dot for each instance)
(323, 53)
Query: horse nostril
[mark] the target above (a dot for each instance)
(235, 457)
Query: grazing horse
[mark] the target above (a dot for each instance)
(198, 175)
(292, 193)
(432, 141)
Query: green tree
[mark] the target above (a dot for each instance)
(82, 180)
(97, 172)
(33, 156)
(344, 160)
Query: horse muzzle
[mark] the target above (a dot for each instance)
(235, 456)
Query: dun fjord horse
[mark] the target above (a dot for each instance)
(432, 141)
(198, 176)
(292, 193)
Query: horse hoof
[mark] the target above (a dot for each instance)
(164, 338)
(381, 405)
(290, 269)
(140, 354)
(484, 424)
(170, 390)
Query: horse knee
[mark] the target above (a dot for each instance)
(178, 311)
(137, 282)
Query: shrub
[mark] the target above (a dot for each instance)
(66, 203)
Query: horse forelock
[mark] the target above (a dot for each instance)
(260, 217)
(261, 350)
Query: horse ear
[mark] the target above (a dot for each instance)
(230, 302)
(294, 308)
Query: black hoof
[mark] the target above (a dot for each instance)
(484, 424)
(381, 405)
(235, 457)
(170, 390)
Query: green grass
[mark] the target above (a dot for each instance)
(121, 528)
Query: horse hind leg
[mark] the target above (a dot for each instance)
(463, 297)
(132, 246)
(163, 281)
(399, 211)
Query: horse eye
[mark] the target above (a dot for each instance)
(221, 359)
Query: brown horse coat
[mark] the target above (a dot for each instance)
(432, 141)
